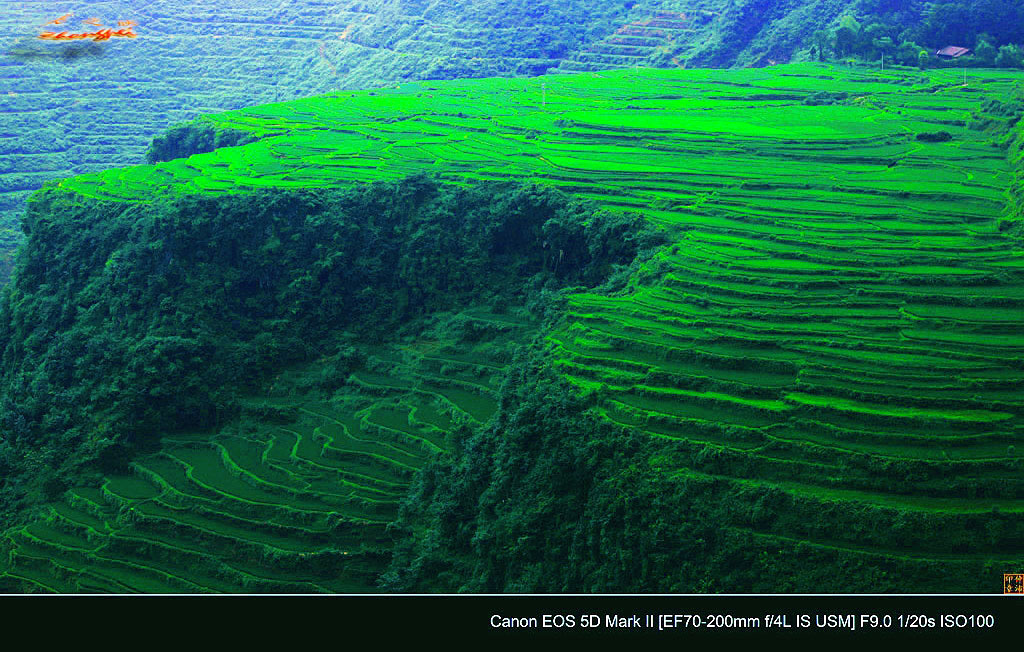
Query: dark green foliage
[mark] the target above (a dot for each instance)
(502, 512)
(591, 253)
(872, 29)
(951, 22)
(909, 53)
(127, 320)
(847, 36)
(985, 52)
(822, 98)
(182, 141)
(822, 45)
(272, 414)
(1014, 220)
(1010, 56)
(550, 498)
(999, 114)
(934, 136)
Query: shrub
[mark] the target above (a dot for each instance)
(934, 136)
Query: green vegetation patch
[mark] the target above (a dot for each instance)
(819, 310)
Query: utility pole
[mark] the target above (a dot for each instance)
(544, 94)
(883, 61)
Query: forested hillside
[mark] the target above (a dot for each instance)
(655, 330)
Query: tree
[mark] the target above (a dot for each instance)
(962, 23)
(985, 52)
(1010, 56)
(907, 52)
(847, 35)
(869, 38)
(923, 59)
(884, 47)
(821, 40)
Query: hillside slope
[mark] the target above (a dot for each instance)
(70, 108)
(824, 363)
(257, 377)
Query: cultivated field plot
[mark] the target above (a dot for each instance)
(839, 317)
(70, 108)
(294, 498)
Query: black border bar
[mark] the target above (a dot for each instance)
(668, 619)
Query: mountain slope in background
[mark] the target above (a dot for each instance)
(71, 108)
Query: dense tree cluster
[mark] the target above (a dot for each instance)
(181, 141)
(549, 498)
(124, 321)
(909, 32)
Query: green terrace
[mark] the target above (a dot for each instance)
(838, 318)
(295, 497)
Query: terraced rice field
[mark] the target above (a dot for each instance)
(294, 498)
(838, 318)
(70, 108)
(633, 44)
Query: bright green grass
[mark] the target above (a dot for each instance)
(830, 275)
(846, 405)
